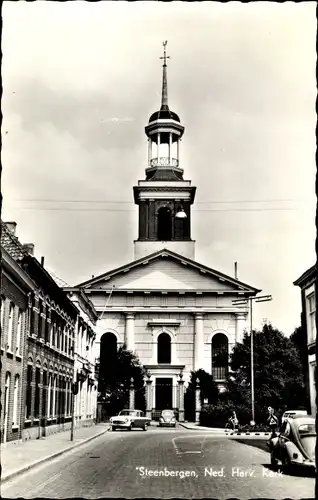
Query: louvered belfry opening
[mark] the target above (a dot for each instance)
(164, 224)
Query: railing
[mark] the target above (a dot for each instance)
(164, 162)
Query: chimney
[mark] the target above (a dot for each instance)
(11, 226)
(29, 248)
(42, 261)
(235, 270)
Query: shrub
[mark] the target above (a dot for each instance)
(217, 415)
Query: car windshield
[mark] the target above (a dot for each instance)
(131, 413)
(168, 413)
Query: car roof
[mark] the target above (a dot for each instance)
(303, 419)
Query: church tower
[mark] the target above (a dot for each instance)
(164, 197)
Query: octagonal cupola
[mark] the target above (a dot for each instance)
(164, 132)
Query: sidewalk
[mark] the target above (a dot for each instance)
(193, 426)
(19, 457)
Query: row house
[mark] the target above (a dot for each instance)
(37, 350)
(307, 284)
(85, 377)
(49, 366)
(16, 289)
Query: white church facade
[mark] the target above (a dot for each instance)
(175, 314)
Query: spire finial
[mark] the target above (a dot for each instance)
(164, 98)
(165, 57)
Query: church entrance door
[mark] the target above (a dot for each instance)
(164, 393)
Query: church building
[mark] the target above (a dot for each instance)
(175, 314)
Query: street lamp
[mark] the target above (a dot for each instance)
(263, 298)
(181, 213)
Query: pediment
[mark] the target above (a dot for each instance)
(166, 270)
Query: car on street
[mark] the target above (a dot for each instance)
(167, 419)
(295, 444)
(130, 419)
(292, 413)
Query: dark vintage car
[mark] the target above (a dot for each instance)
(167, 419)
(295, 443)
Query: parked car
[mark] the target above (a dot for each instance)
(167, 419)
(295, 444)
(130, 419)
(292, 414)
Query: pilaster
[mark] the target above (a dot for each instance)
(181, 399)
(198, 341)
(241, 325)
(130, 331)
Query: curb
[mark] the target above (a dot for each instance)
(198, 428)
(247, 433)
(11, 475)
(226, 433)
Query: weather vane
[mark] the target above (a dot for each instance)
(165, 57)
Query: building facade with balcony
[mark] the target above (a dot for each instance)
(174, 313)
(307, 283)
(85, 404)
(48, 350)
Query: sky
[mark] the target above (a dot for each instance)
(80, 81)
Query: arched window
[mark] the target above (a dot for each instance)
(108, 346)
(164, 348)
(164, 224)
(108, 355)
(220, 356)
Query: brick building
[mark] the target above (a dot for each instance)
(16, 288)
(48, 350)
(86, 382)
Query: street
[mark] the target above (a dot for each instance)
(160, 463)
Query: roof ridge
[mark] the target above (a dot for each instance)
(156, 254)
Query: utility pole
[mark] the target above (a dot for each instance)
(249, 300)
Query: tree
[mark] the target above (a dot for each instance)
(208, 390)
(299, 339)
(278, 376)
(115, 378)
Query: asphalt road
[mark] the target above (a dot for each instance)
(160, 463)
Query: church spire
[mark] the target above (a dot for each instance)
(164, 97)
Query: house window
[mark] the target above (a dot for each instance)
(10, 327)
(3, 308)
(311, 301)
(220, 356)
(6, 404)
(54, 398)
(164, 348)
(37, 392)
(16, 401)
(49, 396)
(19, 331)
(44, 394)
(29, 391)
